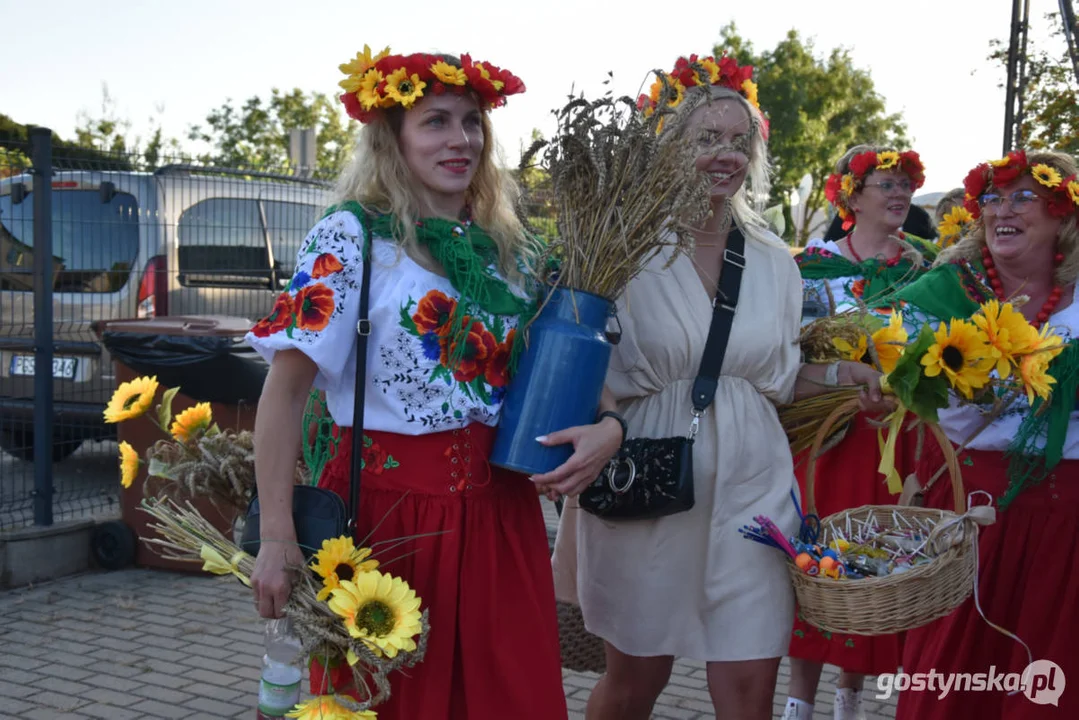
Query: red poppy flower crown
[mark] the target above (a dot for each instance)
(382, 81)
(839, 188)
(724, 72)
(1063, 191)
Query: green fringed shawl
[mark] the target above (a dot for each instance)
(956, 291)
(466, 254)
(880, 276)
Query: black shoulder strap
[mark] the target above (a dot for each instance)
(363, 330)
(715, 348)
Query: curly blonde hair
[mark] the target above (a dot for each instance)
(379, 179)
(970, 246)
(750, 199)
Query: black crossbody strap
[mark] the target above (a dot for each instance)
(715, 348)
(363, 330)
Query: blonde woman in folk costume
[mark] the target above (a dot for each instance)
(688, 584)
(424, 191)
(871, 191)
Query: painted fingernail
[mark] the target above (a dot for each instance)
(541, 439)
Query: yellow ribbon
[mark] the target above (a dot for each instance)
(215, 562)
(887, 450)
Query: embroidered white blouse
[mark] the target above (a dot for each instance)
(410, 390)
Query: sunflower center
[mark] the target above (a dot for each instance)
(952, 357)
(377, 617)
(344, 572)
(130, 401)
(405, 87)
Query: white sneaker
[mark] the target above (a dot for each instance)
(848, 705)
(798, 710)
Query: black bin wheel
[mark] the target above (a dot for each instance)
(113, 545)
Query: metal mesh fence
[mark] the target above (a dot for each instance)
(129, 240)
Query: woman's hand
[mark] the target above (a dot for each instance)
(872, 398)
(593, 446)
(271, 579)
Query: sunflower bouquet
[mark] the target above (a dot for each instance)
(355, 622)
(195, 458)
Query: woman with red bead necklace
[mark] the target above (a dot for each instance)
(871, 190)
(1022, 249)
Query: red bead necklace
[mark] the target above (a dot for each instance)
(858, 258)
(998, 287)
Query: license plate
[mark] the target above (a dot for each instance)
(62, 367)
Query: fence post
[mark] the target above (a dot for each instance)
(41, 157)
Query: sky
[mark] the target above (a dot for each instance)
(179, 60)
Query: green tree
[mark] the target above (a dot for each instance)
(1050, 99)
(106, 132)
(817, 108)
(255, 134)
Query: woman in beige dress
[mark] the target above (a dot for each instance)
(688, 585)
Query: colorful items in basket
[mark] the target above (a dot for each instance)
(861, 549)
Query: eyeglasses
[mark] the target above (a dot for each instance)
(1020, 201)
(887, 186)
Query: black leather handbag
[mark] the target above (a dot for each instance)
(650, 478)
(320, 514)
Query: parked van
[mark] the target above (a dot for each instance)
(181, 240)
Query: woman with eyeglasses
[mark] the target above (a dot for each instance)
(871, 191)
(1022, 248)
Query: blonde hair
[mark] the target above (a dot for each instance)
(970, 246)
(379, 179)
(951, 199)
(751, 198)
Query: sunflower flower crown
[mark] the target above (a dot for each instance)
(839, 188)
(693, 71)
(378, 82)
(1063, 191)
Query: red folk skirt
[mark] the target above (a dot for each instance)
(1028, 584)
(486, 579)
(847, 477)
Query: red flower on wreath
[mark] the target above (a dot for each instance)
(497, 374)
(433, 313)
(326, 264)
(313, 307)
(479, 348)
(279, 318)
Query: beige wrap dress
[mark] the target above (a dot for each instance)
(689, 584)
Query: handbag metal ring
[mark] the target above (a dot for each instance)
(611, 471)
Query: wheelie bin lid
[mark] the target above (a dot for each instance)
(186, 325)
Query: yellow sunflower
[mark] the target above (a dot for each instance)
(713, 70)
(381, 611)
(131, 399)
(403, 88)
(750, 89)
(679, 93)
(963, 354)
(887, 160)
(448, 74)
(857, 352)
(326, 707)
(340, 560)
(1003, 162)
(952, 225)
(890, 342)
(846, 185)
(129, 464)
(368, 93)
(191, 422)
(1073, 191)
(1046, 175)
(1007, 332)
(1033, 370)
(362, 62)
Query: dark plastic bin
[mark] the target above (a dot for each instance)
(206, 357)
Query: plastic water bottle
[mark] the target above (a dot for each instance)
(282, 670)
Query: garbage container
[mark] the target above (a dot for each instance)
(205, 357)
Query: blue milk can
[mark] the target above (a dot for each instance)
(559, 381)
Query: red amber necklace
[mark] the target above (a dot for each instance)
(998, 287)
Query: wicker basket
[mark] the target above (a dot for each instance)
(581, 650)
(898, 602)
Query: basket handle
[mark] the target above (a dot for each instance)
(843, 410)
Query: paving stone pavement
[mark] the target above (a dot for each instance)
(143, 644)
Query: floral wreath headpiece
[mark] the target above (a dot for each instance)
(1063, 191)
(382, 81)
(724, 72)
(839, 188)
